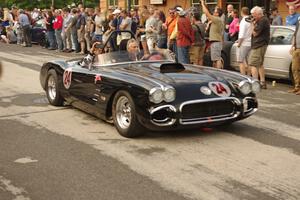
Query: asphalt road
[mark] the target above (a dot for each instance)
(50, 153)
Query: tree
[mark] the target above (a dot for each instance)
(30, 4)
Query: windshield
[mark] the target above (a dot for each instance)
(125, 57)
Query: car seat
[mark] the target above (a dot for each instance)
(123, 45)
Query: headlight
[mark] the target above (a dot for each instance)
(245, 87)
(169, 94)
(255, 86)
(156, 95)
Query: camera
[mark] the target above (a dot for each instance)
(249, 19)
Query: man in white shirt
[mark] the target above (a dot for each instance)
(125, 24)
(244, 42)
(66, 32)
(99, 25)
(152, 30)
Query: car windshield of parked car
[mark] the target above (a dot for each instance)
(125, 57)
(39, 23)
(281, 36)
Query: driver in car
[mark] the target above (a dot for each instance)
(134, 50)
(135, 54)
(89, 59)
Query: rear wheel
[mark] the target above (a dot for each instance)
(124, 115)
(52, 89)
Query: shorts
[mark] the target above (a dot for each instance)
(196, 53)
(242, 53)
(80, 36)
(257, 56)
(215, 51)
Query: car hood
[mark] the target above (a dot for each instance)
(189, 75)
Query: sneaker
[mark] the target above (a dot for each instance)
(294, 90)
(298, 93)
(263, 85)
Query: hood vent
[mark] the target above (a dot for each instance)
(171, 68)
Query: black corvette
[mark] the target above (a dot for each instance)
(155, 94)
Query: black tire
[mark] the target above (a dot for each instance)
(43, 42)
(224, 61)
(291, 77)
(52, 89)
(129, 128)
(207, 60)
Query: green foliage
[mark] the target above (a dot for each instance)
(30, 4)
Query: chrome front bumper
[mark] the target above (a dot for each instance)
(167, 115)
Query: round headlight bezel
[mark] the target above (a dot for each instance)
(245, 87)
(169, 90)
(255, 86)
(156, 95)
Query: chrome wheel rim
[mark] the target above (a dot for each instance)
(51, 87)
(123, 112)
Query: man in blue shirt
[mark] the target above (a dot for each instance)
(26, 27)
(291, 20)
(115, 26)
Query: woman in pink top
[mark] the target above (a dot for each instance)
(234, 26)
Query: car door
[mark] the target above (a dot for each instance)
(277, 59)
(84, 88)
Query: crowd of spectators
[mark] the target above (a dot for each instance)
(187, 33)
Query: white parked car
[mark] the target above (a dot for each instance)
(278, 60)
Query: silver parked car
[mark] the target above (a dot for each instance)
(278, 60)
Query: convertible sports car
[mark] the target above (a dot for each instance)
(155, 93)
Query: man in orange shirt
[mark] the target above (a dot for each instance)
(170, 26)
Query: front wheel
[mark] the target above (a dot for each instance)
(52, 89)
(124, 115)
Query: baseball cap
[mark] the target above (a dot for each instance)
(180, 11)
(117, 11)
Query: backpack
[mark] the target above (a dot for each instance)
(201, 33)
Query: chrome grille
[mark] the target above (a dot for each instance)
(209, 110)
